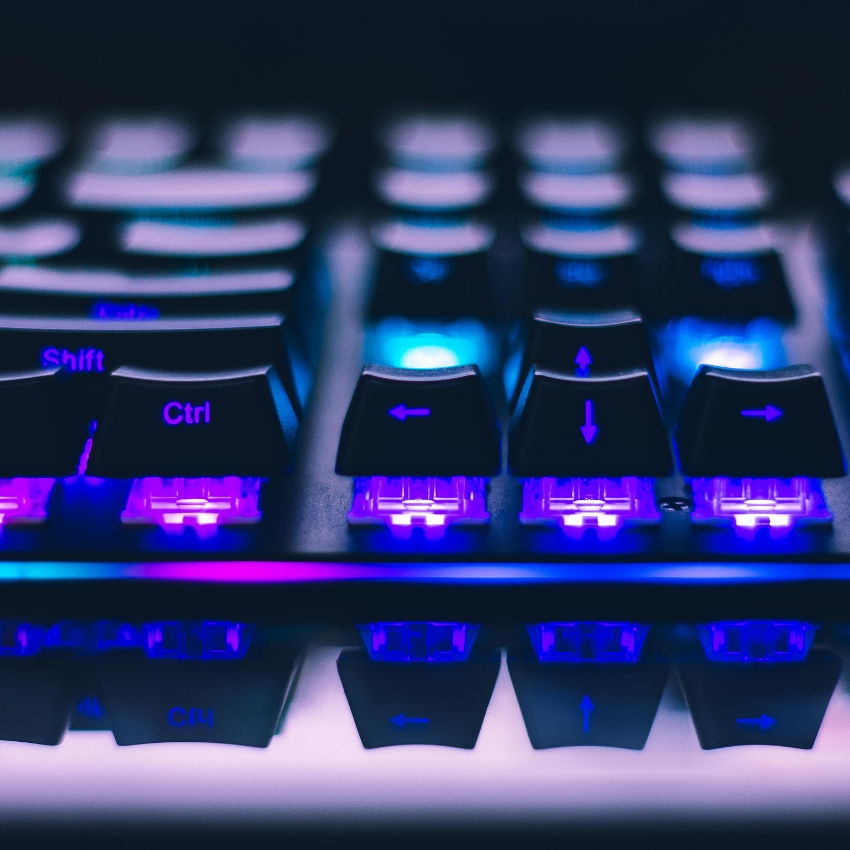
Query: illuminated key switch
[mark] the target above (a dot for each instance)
(36, 686)
(433, 270)
(197, 444)
(580, 268)
(418, 683)
(755, 444)
(421, 444)
(196, 681)
(587, 448)
(587, 684)
(757, 682)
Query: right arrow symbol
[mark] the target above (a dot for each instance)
(588, 430)
(763, 722)
(586, 707)
(769, 413)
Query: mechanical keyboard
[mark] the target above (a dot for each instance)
(515, 490)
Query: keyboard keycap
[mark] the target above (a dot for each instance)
(28, 141)
(451, 142)
(588, 427)
(185, 425)
(433, 191)
(584, 343)
(779, 704)
(770, 424)
(588, 705)
(14, 191)
(35, 442)
(580, 268)
(434, 272)
(419, 703)
(730, 273)
(420, 422)
(581, 194)
(223, 702)
(719, 194)
(578, 145)
(138, 144)
(37, 238)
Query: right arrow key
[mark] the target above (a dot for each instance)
(758, 424)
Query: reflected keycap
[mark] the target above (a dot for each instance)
(579, 194)
(719, 194)
(224, 702)
(577, 268)
(584, 343)
(37, 238)
(417, 703)
(137, 143)
(588, 705)
(433, 191)
(437, 140)
(587, 427)
(27, 141)
(190, 424)
(783, 705)
(438, 271)
(420, 422)
(759, 424)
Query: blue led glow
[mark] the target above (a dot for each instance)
(688, 343)
(109, 634)
(580, 274)
(126, 312)
(422, 642)
(588, 642)
(408, 344)
(756, 640)
(65, 635)
(207, 639)
(18, 638)
(83, 360)
(428, 269)
(731, 272)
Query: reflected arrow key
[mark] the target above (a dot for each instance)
(768, 424)
(420, 422)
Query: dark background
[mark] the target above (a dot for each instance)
(788, 61)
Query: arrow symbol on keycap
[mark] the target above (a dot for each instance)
(583, 361)
(763, 722)
(401, 412)
(588, 430)
(586, 707)
(769, 413)
(401, 721)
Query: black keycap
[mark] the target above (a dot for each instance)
(87, 350)
(591, 705)
(34, 441)
(220, 701)
(417, 703)
(585, 343)
(431, 271)
(420, 422)
(771, 424)
(35, 698)
(723, 272)
(781, 704)
(576, 268)
(190, 424)
(600, 426)
(114, 294)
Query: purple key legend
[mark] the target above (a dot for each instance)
(577, 504)
(205, 503)
(777, 504)
(405, 503)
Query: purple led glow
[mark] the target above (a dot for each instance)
(24, 500)
(428, 503)
(406, 642)
(18, 638)
(579, 503)
(208, 639)
(756, 640)
(204, 503)
(588, 642)
(753, 503)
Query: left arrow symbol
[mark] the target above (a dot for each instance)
(401, 412)
(401, 721)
